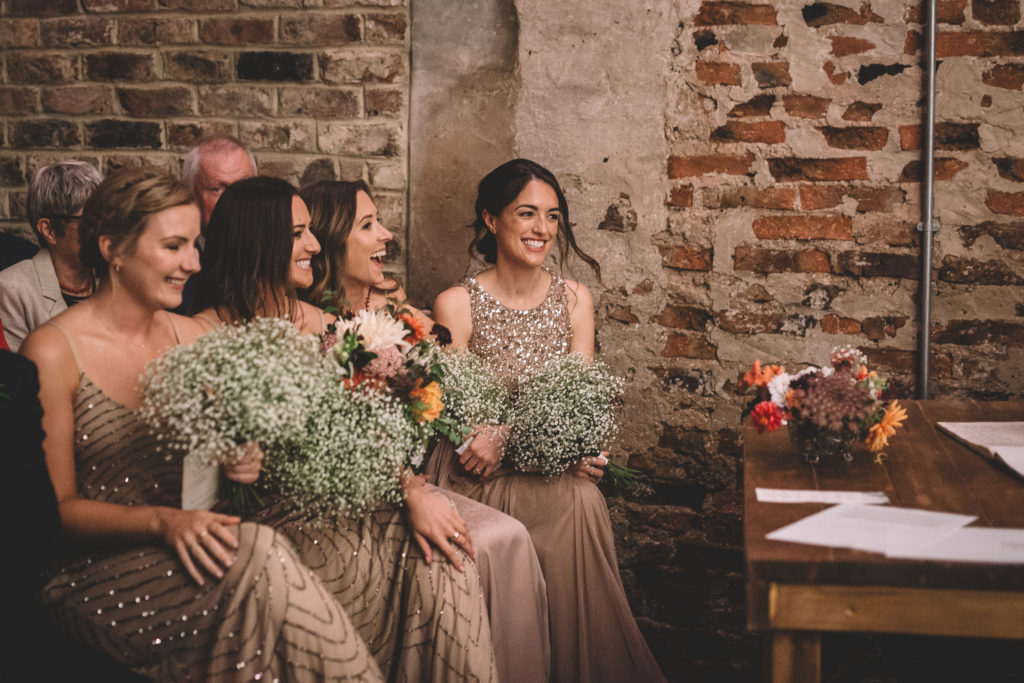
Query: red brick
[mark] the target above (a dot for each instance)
(17, 101)
(236, 31)
(1009, 76)
(877, 199)
(689, 346)
(35, 8)
(200, 5)
(843, 46)
(117, 5)
(749, 322)
(681, 317)
(19, 33)
(948, 135)
(686, 257)
(120, 66)
(149, 31)
(963, 270)
(1010, 168)
(272, 65)
(12, 171)
(358, 68)
(278, 136)
(155, 102)
(826, 13)
(835, 76)
(912, 45)
(216, 100)
(772, 74)
(944, 169)
(814, 197)
(861, 111)
(979, 44)
(871, 138)
(317, 29)
(79, 99)
(803, 227)
(727, 13)
(806, 106)
(768, 132)
(878, 264)
(833, 324)
(115, 133)
(382, 102)
(385, 28)
(195, 66)
(43, 133)
(793, 169)
(736, 197)
(1006, 203)
(685, 167)
(36, 68)
(378, 139)
(759, 105)
(182, 135)
(681, 196)
(718, 73)
(996, 12)
(883, 229)
(878, 328)
(1006, 235)
(973, 332)
(320, 103)
(760, 260)
(946, 12)
(77, 32)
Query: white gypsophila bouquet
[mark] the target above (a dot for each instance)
(350, 456)
(252, 382)
(562, 414)
(472, 395)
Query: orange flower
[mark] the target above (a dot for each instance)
(795, 398)
(863, 373)
(766, 415)
(756, 377)
(428, 404)
(878, 435)
(416, 325)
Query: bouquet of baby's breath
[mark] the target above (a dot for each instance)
(472, 396)
(565, 413)
(350, 456)
(257, 382)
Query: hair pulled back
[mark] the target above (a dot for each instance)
(247, 257)
(119, 208)
(499, 188)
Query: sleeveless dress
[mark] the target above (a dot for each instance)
(593, 634)
(420, 621)
(269, 618)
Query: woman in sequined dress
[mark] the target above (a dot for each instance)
(174, 594)
(518, 315)
(422, 614)
(351, 264)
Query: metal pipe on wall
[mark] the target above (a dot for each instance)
(927, 225)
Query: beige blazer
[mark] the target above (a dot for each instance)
(29, 296)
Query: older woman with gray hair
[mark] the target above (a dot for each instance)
(35, 290)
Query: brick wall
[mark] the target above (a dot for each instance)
(315, 89)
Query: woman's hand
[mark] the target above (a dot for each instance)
(246, 469)
(483, 455)
(199, 537)
(434, 520)
(591, 469)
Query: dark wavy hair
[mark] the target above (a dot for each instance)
(499, 188)
(247, 256)
(119, 208)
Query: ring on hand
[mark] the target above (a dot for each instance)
(455, 536)
(205, 533)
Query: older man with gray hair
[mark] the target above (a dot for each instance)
(35, 290)
(213, 164)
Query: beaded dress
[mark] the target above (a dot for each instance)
(269, 618)
(593, 634)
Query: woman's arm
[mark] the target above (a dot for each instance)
(452, 309)
(581, 318)
(193, 533)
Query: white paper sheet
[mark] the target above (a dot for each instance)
(988, 434)
(200, 482)
(813, 496)
(873, 528)
(972, 544)
(1013, 456)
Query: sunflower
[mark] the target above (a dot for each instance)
(878, 435)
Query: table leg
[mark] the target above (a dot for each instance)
(792, 657)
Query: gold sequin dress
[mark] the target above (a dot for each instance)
(269, 618)
(593, 634)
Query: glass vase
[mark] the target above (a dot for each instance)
(812, 442)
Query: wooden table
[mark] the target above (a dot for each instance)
(795, 592)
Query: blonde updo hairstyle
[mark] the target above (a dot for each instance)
(119, 209)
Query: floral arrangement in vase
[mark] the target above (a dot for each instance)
(827, 409)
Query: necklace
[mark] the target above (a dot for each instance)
(84, 291)
(366, 305)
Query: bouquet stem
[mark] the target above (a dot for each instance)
(622, 480)
(242, 499)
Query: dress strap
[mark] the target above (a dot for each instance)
(174, 326)
(67, 338)
(323, 321)
(212, 323)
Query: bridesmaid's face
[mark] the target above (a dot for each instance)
(366, 245)
(163, 257)
(304, 246)
(526, 229)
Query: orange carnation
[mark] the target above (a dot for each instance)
(428, 405)
(416, 325)
(878, 435)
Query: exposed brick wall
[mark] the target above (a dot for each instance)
(315, 89)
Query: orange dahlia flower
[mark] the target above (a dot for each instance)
(429, 405)
(878, 435)
(414, 324)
